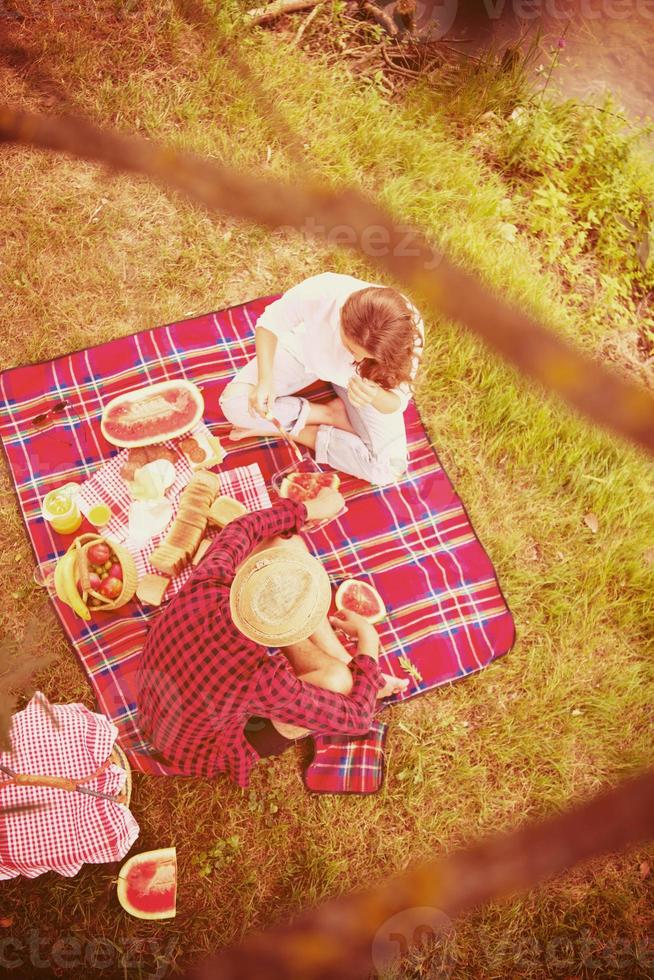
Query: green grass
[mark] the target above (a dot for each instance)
(88, 257)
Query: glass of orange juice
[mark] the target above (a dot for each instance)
(60, 509)
(99, 514)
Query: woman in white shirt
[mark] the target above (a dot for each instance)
(366, 340)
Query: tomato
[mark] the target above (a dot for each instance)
(116, 571)
(111, 587)
(99, 553)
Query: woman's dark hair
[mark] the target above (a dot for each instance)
(379, 319)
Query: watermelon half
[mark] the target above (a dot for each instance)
(306, 486)
(152, 414)
(361, 598)
(147, 884)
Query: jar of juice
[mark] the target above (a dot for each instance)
(60, 509)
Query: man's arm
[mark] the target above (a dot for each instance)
(239, 537)
(281, 695)
(263, 394)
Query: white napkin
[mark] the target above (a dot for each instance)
(152, 480)
(147, 518)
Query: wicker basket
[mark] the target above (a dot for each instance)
(119, 759)
(130, 576)
(116, 756)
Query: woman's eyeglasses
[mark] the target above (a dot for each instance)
(55, 409)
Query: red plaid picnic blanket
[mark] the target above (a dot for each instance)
(65, 829)
(413, 540)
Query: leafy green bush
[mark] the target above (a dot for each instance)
(584, 185)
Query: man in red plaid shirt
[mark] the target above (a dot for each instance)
(201, 680)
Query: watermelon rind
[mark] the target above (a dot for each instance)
(165, 855)
(342, 589)
(147, 390)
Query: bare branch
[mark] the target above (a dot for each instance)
(333, 941)
(347, 217)
(308, 20)
(381, 17)
(262, 15)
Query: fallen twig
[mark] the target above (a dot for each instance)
(305, 23)
(261, 15)
(381, 17)
(409, 72)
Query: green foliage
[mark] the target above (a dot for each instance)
(585, 186)
(221, 855)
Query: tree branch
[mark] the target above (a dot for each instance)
(349, 218)
(333, 941)
(261, 15)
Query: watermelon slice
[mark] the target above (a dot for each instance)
(306, 486)
(147, 884)
(361, 598)
(153, 414)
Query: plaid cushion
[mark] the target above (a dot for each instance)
(342, 764)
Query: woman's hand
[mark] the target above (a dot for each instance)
(261, 398)
(326, 505)
(360, 391)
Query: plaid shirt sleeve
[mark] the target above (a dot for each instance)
(280, 694)
(239, 537)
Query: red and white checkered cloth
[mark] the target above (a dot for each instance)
(67, 829)
(245, 483)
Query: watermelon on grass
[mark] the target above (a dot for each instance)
(147, 884)
(361, 598)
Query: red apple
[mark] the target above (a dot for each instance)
(111, 587)
(99, 553)
(95, 581)
(116, 571)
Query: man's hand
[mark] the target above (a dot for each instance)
(326, 505)
(261, 398)
(361, 392)
(353, 625)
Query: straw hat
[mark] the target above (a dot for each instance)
(279, 596)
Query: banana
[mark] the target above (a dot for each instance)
(69, 584)
(59, 579)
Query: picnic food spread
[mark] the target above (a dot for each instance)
(98, 574)
(225, 509)
(95, 575)
(147, 884)
(188, 527)
(306, 486)
(361, 598)
(153, 414)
